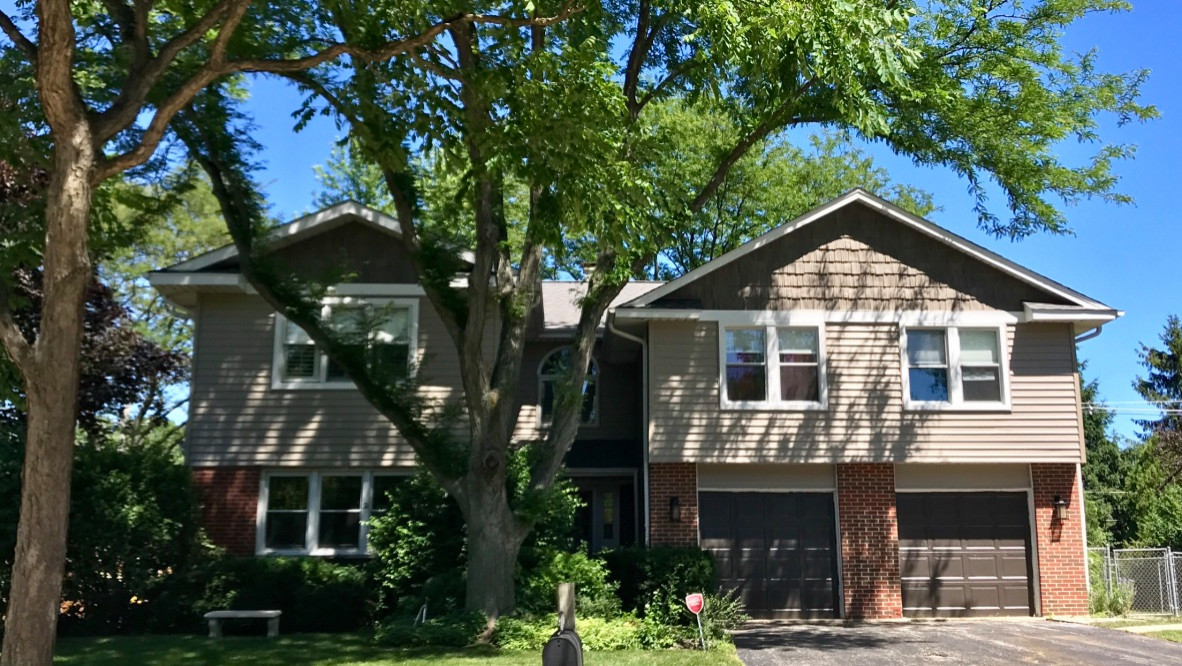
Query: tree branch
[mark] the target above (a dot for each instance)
(14, 33)
(18, 347)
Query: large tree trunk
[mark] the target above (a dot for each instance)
(495, 535)
(51, 384)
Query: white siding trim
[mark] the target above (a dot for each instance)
(789, 317)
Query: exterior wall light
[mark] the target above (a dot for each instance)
(1060, 506)
(674, 510)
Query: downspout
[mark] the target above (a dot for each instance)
(1084, 337)
(611, 325)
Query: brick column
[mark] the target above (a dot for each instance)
(229, 505)
(1062, 566)
(668, 480)
(869, 541)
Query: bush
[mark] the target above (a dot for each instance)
(314, 594)
(668, 623)
(452, 630)
(644, 574)
(1114, 602)
(595, 594)
(597, 633)
(133, 531)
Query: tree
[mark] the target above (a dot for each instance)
(563, 110)
(1105, 471)
(93, 93)
(1162, 387)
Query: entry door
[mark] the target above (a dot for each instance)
(778, 550)
(606, 519)
(965, 554)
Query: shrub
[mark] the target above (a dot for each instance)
(644, 574)
(133, 531)
(597, 633)
(668, 623)
(452, 630)
(314, 594)
(1117, 601)
(595, 594)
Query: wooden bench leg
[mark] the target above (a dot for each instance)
(215, 628)
(272, 627)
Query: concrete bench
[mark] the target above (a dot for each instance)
(215, 620)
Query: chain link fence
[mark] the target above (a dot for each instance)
(1152, 576)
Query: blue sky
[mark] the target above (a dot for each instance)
(1121, 255)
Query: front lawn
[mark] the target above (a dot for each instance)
(1175, 636)
(331, 650)
(1135, 621)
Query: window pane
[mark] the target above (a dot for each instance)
(556, 362)
(334, 372)
(340, 492)
(294, 335)
(745, 345)
(798, 345)
(394, 326)
(287, 493)
(299, 361)
(382, 487)
(746, 382)
(339, 529)
(609, 515)
(978, 347)
(929, 384)
(926, 347)
(589, 403)
(286, 531)
(546, 403)
(799, 382)
(389, 360)
(981, 384)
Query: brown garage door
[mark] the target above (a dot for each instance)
(964, 554)
(777, 549)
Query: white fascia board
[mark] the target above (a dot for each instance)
(1035, 312)
(862, 196)
(173, 279)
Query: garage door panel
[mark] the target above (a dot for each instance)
(965, 553)
(780, 556)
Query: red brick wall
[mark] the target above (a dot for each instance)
(678, 480)
(1062, 566)
(869, 540)
(229, 505)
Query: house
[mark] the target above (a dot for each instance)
(859, 413)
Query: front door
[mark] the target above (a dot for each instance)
(607, 518)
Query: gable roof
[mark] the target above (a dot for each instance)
(860, 196)
(300, 229)
(560, 302)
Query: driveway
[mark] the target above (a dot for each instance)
(952, 642)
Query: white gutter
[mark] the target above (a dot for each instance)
(1088, 335)
(611, 325)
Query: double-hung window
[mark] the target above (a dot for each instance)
(551, 371)
(955, 367)
(772, 367)
(320, 513)
(382, 332)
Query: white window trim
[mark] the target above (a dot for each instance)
(318, 382)
(956, 402)
(541, 421)
(312, 529)
(771, 322)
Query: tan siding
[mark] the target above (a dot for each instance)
(865, 420)
(236, 418)
(857, 259)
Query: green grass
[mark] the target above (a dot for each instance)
(1145, 621)
(1175, 636)
(334, 650)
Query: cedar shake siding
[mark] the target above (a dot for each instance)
(856, 259)
(865, 420)
(237, 418)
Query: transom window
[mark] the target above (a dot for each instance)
(954, 367)
(551, 371)
(772, 367)
(383, 330)
(321, 513)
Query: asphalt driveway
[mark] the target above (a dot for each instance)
(953, 642)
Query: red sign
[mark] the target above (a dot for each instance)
(694, 603)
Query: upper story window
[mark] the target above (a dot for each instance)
(320, 513)
(384, 330)
(772, 367)
(551, 371)
(954, 367)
